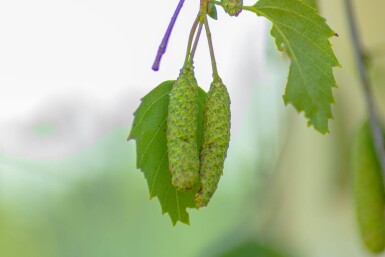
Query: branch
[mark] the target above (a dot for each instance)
(366, 86)
(163, 44)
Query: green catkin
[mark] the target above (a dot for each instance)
(183, 155)
(369, 191)
(216, 137)
(232, 7)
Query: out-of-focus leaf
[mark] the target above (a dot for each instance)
(369, 191)
(252, 249)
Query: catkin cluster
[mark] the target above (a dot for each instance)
(187, 164)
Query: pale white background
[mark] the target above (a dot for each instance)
(81, 66)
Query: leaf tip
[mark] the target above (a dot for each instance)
(324, 130)
(175, 221)
(131, 134)
(186, 222)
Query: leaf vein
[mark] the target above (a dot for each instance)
(165, 197)
(157, 172)
(152, 104)
(150, 142)
(310, 59)
(177, 204)
(295, 13)
(288, 45)
(307, 38)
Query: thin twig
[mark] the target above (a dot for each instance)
(366, 86)
(197, 36)
(190, 38)
(211, 48)
(163, 44)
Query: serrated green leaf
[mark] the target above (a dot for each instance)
(149, 131)
(303, 35)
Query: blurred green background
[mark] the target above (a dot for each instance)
(285, 190)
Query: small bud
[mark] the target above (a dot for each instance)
(232, 7)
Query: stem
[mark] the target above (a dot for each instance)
(190, 39)
(216, 2)
(366, 87)
(250, 8)
(196, 41)
(163, 44)
(211, 48)
(203, 8)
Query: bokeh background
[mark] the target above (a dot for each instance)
(72, 73)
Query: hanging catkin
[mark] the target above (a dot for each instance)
(182, 117)
(216, 137)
